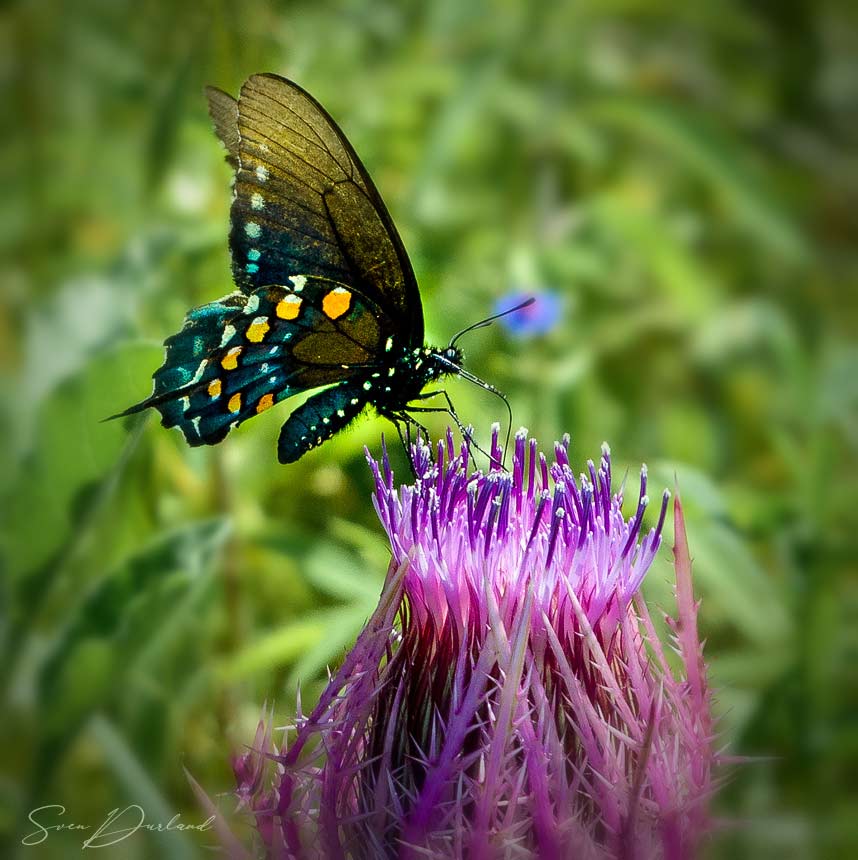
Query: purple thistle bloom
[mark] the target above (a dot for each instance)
(536, 319)
(510, 696)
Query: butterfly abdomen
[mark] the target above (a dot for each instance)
(387, 387)
(319, 418)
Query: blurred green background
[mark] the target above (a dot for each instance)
(683, 176)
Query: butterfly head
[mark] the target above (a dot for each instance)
(444, 361)
(453, 355)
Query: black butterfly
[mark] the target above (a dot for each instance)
(327, 295)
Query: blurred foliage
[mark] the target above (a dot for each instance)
(685, 176)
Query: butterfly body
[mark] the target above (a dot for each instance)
(389, 388)
(326, 294)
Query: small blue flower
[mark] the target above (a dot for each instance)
(536, 319)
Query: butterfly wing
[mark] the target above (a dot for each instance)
(304, 205)
(223, 110)
(238, 356)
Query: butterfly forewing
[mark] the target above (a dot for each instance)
(304, 204)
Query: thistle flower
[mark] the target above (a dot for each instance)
(510, 696)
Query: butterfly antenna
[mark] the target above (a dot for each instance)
(489, 320)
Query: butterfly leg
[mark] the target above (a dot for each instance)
(466, 433)
(400, 420)
(449, 409)
(404, 437)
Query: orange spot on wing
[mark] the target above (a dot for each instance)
(214, 388)
(257, 330)
(289, 307)
(235, 402)
(230, 360)
(336, 303)
(265, 402)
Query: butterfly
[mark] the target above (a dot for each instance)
(326, 298)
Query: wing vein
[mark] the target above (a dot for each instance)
(322, 141)
(292, 110)
(294, 154)
(321, 145)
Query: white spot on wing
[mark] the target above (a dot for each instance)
(252, 304)
(262, 173)
(228, 334)
(257, 201)
(199, 374)
(252, 229)
(298, 282)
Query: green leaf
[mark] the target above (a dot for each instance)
(319, 638)
(74, 459)
(726, 574)
(126, 614)
(342, 575)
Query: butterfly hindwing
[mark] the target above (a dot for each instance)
(238, 356)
